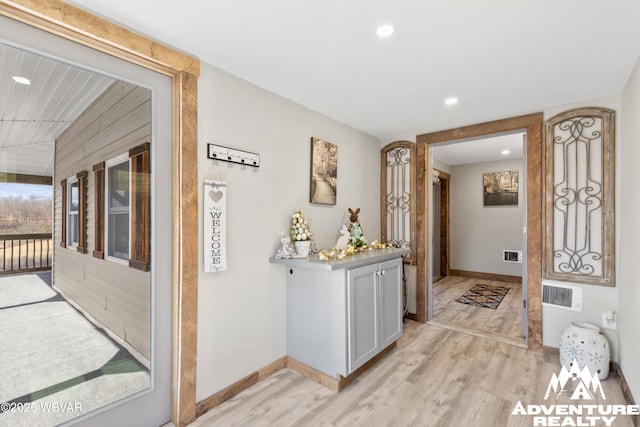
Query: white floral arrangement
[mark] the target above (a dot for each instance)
(299, 227)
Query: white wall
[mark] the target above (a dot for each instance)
(242, 311)
(479, 233)
(596, 299)
(629, 212)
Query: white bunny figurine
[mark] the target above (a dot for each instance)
(343, 241)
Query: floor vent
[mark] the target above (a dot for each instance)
(562, 296)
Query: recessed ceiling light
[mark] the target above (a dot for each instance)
(451, 101)
(505, 152)
(385, 30)
(21, 80)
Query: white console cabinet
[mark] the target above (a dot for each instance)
(374, 310)
(341, 314)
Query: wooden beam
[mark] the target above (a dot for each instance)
(488, 128)
(185, 249)
(18, 178)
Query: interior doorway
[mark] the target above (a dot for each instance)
(441, 225)
(477, 228)
(532, 126)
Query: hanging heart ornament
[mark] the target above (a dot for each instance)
(215, 195)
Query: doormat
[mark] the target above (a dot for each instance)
(481, 295)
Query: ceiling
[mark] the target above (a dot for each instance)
(33, 116)
(500, 58)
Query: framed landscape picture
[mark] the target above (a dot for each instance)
(500, 188)
(324, 172)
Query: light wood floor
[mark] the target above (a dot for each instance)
(435, 377)
(505, 321)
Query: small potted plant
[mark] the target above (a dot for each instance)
(300, 234)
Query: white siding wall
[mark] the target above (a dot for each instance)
(115, 295)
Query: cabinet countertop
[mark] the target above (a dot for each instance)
(358, 260)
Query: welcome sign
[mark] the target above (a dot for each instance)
(215, 226)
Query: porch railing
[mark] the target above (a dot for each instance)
(25, 252)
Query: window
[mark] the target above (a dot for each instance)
(127, 207)
(118, 203)
(72, 211)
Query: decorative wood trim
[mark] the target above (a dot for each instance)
(445, 231)
(239, 386)
(606, 195)
(140, 172)
(487, 276)
(58, 17)
(422, 230)
(616, 369)
(226, 394)
(411, 316)
(532, 124)
(98, 201)
(331, 383)
(345, 381)
(185, 247)
(552, 351)
(63, 220)
(313, 374)
(534, 236)
(18, 178)
(73, 23)
(82, 212)
(482, 129)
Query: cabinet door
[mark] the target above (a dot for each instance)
(390, 288)
(364, 337)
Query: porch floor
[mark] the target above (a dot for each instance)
(55, 364)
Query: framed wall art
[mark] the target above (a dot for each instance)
(500, 188)
(324, 172)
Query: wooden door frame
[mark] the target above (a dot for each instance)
(532, 125)
(72, 23)
(445, 182)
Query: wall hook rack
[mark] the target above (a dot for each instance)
(232, 155)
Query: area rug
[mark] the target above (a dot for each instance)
(481, 295)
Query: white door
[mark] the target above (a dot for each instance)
(362, 315)
(150, 406)
(390, 289)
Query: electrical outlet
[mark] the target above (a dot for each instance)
(609, 319)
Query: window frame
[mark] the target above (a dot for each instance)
(69, 228)
(115, 161)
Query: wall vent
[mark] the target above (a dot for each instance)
(511, 255)
(562, 296)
